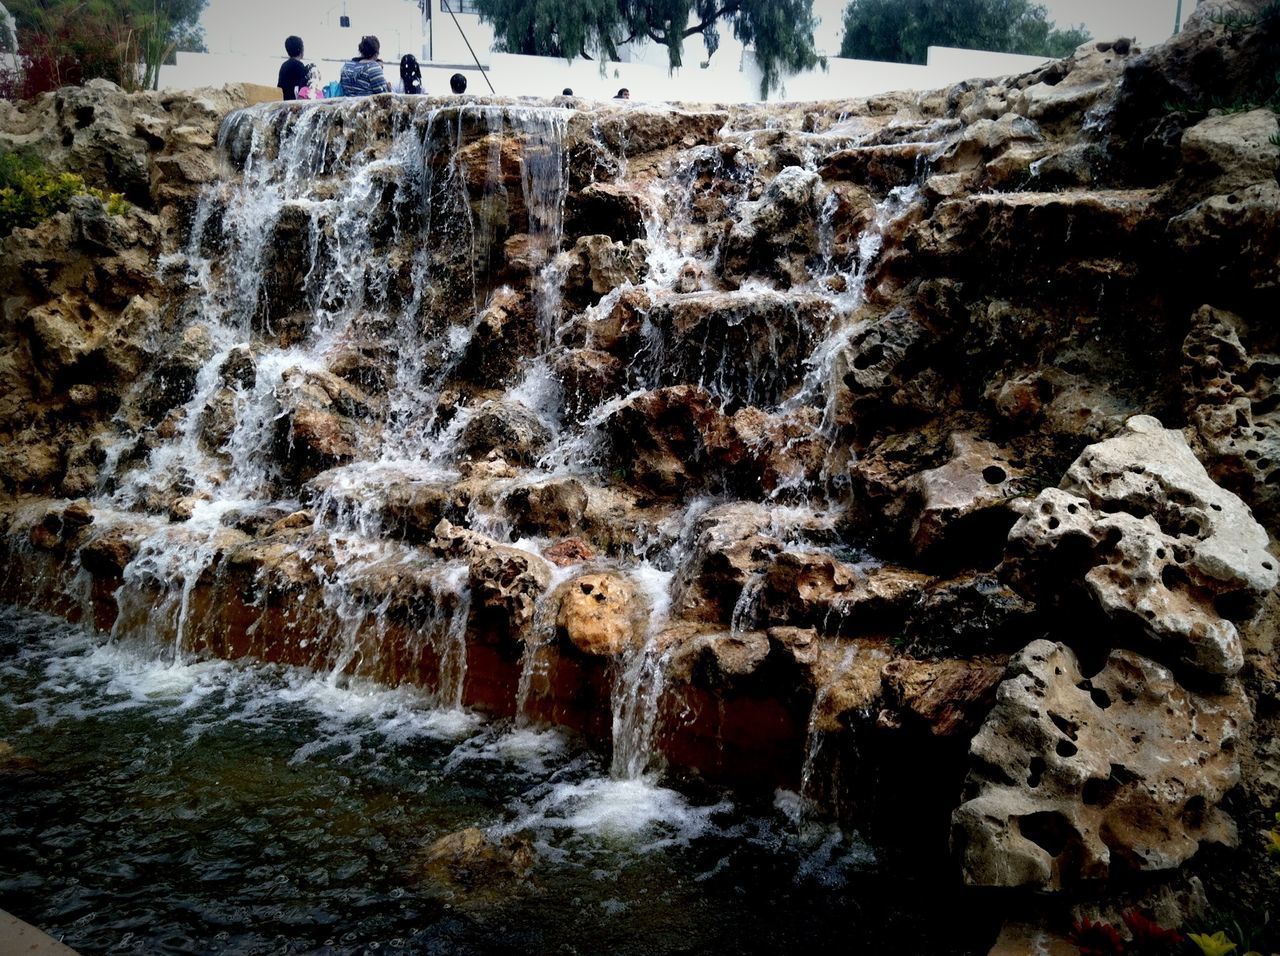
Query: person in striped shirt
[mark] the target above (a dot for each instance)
(363, 76)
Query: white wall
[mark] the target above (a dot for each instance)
(724, 81)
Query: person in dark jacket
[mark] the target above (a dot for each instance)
(458, 83)
(410, 74)
(363, 76)
(293, 72)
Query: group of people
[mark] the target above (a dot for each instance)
(361, 76)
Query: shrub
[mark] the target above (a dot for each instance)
(30, 192)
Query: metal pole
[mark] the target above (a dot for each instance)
(1177, 18)
(449, 7)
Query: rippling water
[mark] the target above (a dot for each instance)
(224, 808)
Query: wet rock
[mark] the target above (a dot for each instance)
(554, 508)
(949, 698)
(505, 582)
(470, 858)
(597, 265)
(776, 235)
(731, 543)
(173, 379)
(1233, 402)
(984, 140)
(611, 209)
(972, 613)
(743, 347)
(107, 554)
(507, 428)
(1160, 547)
(962, 514)
(819, 590)
(883, 357)
(718, 661)
(601, 614)
(667, 440)
(568, 552)
(1076, 779)
(880, 167)
(320, 425)
(588, 378)
(504, 333)
(1091, 74)
(617, 329)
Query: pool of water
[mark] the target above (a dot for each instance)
(218, 807)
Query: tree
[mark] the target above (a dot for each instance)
(781, 30)
(70, 41)
(901, 31)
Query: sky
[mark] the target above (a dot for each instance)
(259, 26)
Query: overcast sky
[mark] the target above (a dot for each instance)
(259, 26)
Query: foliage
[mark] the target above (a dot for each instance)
(30, 192)
(901, 31)
(781, 30)
(126, 41)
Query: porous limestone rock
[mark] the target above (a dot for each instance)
(1160, 547)
(1078, 779)
(964, 504)
(1234, 150)
(471, 858)
(1233, 239)
(505, 582)
(601, 614)
(1233, 401)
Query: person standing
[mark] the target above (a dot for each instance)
(293, 72)
(363, 75)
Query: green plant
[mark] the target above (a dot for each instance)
(30, 192)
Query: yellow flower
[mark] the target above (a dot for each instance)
(1215, 945)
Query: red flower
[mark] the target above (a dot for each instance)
(1150, 936)
(1096, 939)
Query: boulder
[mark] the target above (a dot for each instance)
(601, 614)
(596, 265)
(1160, 547)
(776, 235)
(506, 583)
(949, 698)
(615, 210)
(961, 509)
(1077, 780)
(1233, 150)
(508, 429)
(320, 425)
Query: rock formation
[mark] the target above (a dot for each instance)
(713, 432)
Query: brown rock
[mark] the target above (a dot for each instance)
(600, 614)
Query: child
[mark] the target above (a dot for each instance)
(293, 72)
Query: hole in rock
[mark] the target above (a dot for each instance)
(1035, 772)
(994, 474)
(1066, 748)
(1066, 726)
(1053, 523)
(586, 588)
(1049, 830)
(870, 357)
(1098, 792)
(1235, 605)
(1193, 814)
(1173, 577)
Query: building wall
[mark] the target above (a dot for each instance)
(724, 81)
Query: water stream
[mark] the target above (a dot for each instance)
(211, 807)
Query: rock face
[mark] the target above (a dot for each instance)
(1163, 550)
(1080, 779)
